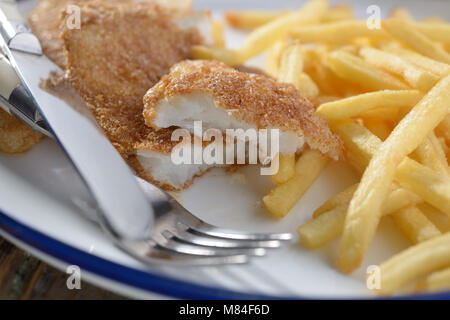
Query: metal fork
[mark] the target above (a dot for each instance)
(178, 236)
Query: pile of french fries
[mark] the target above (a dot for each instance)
(386, 93)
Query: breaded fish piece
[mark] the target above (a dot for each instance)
(120, 52)
(46, 21)
(224, 98)
(16, 136)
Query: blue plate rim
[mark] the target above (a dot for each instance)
(144, 280)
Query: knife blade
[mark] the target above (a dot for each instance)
(125, 211)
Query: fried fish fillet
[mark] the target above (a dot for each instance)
(224, 98)
(120, 52)
(47, 21)
(16, 136)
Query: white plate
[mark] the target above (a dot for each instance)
(43, 208)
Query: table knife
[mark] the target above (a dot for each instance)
(125, 210)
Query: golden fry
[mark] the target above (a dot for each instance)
(439, 32)
(218, 34)
(273, 57)
(415, 225)
(414, 262)
(444, 128)
(365, 208)
(342, 198)
(248, 20)
(361, 145)
(414, 76)
(291, 71)
(329, 224)
(378, 127)
(335, 33)
(405, 33)
(354, 69)
(402, 14)
(283, 197)
(436, 67)
(262, 38)
(433, 187)
(437, 281)
(286, 168)
(354, 106)
(430, 154)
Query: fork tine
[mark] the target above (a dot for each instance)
(171, 242)
(189, 235)
(210, 230)
(149, 252)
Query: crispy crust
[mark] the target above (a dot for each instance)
(257, 99)
(16, 136)
(119, 52)
(46, 22)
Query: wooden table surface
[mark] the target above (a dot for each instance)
(24, 277)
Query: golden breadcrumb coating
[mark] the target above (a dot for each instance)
(46, 21)
(256, 99)
(16, 136)
(120, 52)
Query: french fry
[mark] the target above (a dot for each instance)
(338, 13)
(291, 71)
(365, 208)
(402, 14)
(444, 147)
(439, 219)
(444, 128)
(248, 20)
(414, 224)
(283, 197)
(414, 262)
(378, 127)
(321, 99)
(273, 57)
(218, 34)
(437, 281)
(356, 105)
(421, 61)
(286, 168)
(383, 114)
(414, 76)
(439, 32)
(329, 224)
(335, 33)
(354, 69)
(434, 188)
(342, 198)
(433, 20)
(430, 154)
(252, 19)
(263, 37)
(361, 145)
(405, 33)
